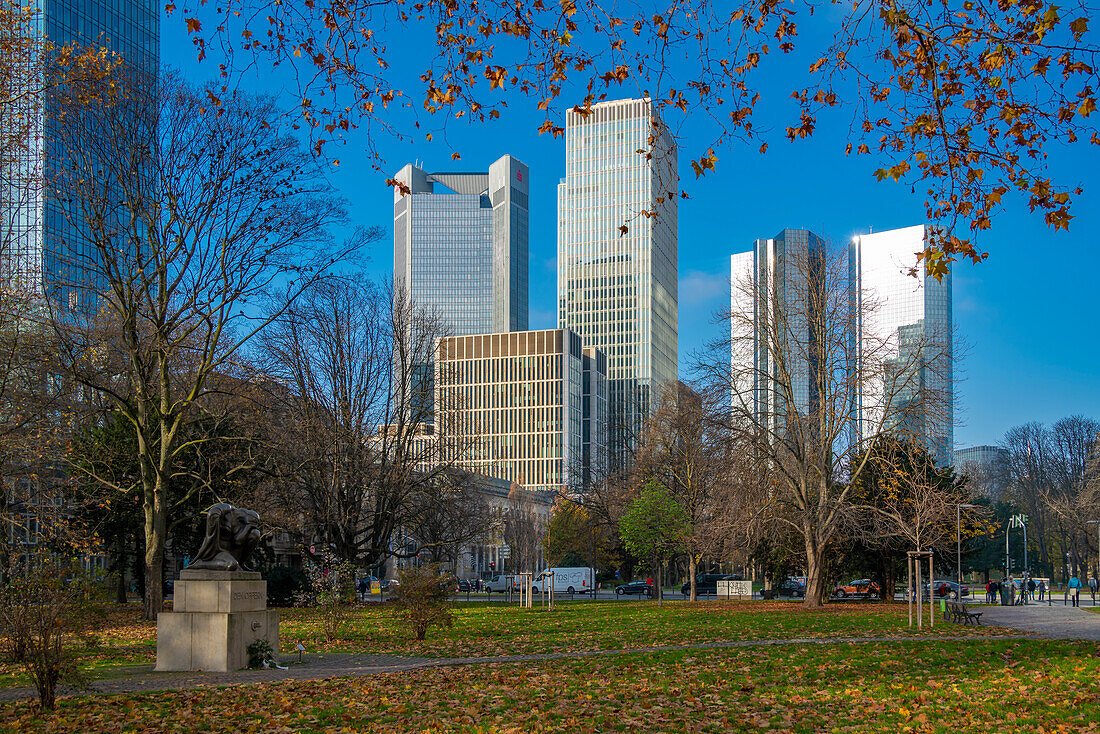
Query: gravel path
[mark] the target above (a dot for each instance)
(316, 667)
(1056, 622)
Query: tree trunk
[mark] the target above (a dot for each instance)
(120, 566)
(693, 564)
(155, 532)
(815, 572)
(887, 579)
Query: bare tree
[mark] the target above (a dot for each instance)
(813, 385)
(684, 448)
(1049, 479)
(524, 527)
(362, 455)
(182, 215)
(447, 513)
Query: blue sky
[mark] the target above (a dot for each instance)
(1028, 315)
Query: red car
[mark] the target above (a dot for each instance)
(859, 587)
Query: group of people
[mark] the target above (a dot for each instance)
(1015, 590)
(1021, 591)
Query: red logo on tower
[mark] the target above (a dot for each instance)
(519, 175)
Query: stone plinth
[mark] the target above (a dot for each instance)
(216, 616)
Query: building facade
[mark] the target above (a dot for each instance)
(908, 316)
(512, 542)
(43, 250)
(527, 407)
(460, 245)
(988, 467)
(617, 254)
(771, 362)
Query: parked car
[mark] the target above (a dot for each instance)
(635, 587)
(463, 586)
(859, 587)
(790, 586)
(944, 588)
(499, 584)
(707, 583)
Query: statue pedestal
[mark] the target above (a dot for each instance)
(216, 616)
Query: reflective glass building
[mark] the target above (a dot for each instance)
(771, 279)
(617, 254)
(911, 317)
(460, 245)
(42, 245)
(989, 468)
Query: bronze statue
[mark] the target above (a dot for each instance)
(232, 533)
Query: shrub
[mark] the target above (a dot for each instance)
(332, 591)
(423, 599)
(44, 606)
(260, 654)
(284, 585)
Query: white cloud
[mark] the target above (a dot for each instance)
(699, 288)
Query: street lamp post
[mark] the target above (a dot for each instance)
(1097, 524)
(958, 545)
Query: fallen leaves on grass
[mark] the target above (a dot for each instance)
(920, 686)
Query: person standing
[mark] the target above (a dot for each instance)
(1042, 588)
(1075, 590)
(1092, 587)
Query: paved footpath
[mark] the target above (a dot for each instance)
(142, 678)
(1055, 622)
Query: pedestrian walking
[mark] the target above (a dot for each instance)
(1075, 590)
(1092, 587)
(989, 591)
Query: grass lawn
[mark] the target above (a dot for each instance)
(483, 629)
(496, 629)
(994, 685)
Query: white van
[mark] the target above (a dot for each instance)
(499, 584)
(575, 579)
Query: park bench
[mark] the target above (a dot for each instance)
(957, 612)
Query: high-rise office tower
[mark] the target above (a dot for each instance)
(617, 254)
(42, 248)
(908, 317)
(771, 307)
(460, 245)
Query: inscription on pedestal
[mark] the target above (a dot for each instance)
(220, 596)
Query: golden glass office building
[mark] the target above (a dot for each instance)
(526, 406)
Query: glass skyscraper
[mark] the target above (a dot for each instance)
(617, 254)
(910, 315)
(769, 381)
(989, 468)
(43, 249)
(460, 245)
